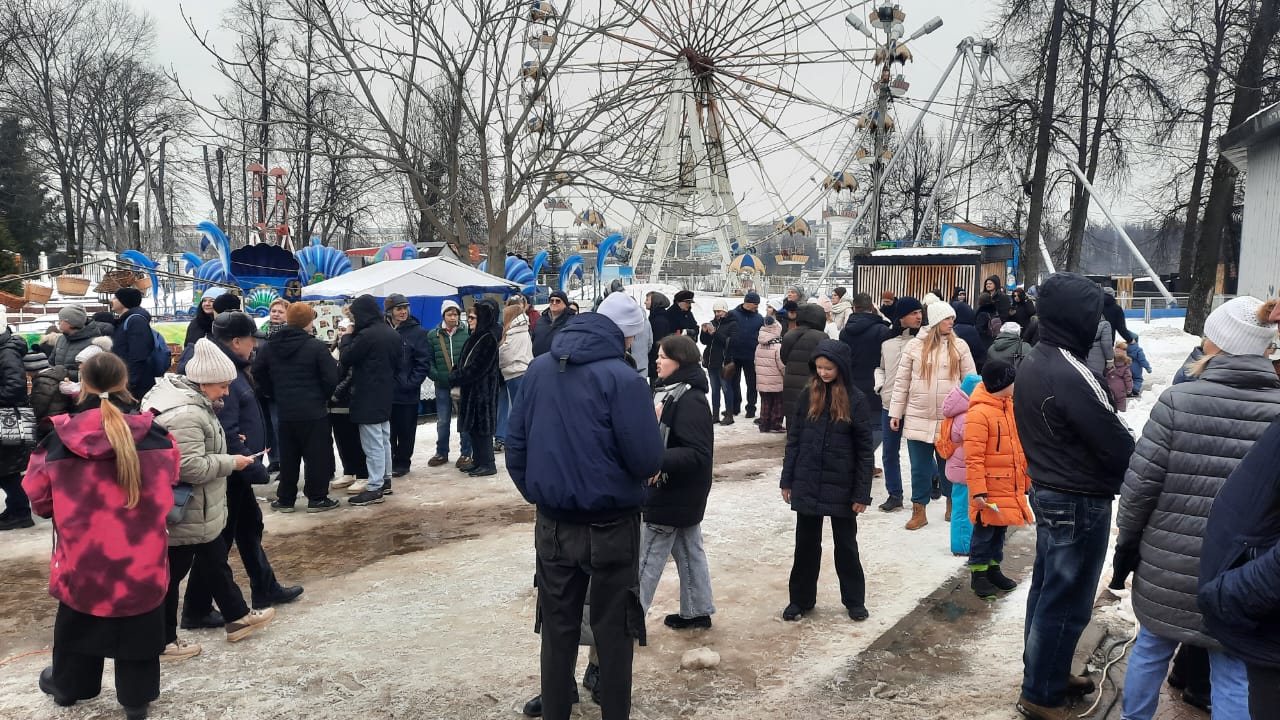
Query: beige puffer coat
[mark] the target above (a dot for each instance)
(890, 356)
(188, 415)
(918, 400)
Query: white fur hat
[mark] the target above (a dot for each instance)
(209, 364)
(1235, 328)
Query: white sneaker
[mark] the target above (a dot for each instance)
(344, 481)
(357, 487)
(238, 630)
(178, 650)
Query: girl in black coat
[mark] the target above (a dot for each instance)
(1022, 309)
(827, 473)
(477, 374)
(676, 499)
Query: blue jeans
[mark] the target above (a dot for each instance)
(659, 542)
(729, 388)
(987, 543)
(1071, 546)
(891, 456)
(507, 396)
(1149, 665)
(375, 440)
(444, 416)
(926, 464)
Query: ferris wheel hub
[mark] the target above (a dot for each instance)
(699, 64)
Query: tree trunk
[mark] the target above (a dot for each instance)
(69, 217)
(1186, 258)
(1079, 196)
(1031, 241)
(1247, 101)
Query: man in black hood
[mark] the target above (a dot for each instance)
(659, 326)
(864, 333)
(373, 356)
(1077, 452)
(1114, 314)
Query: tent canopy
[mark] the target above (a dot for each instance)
(426, 282)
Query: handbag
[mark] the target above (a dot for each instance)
(17, 427)
(454, 393)
(728, 370)
(181, 496)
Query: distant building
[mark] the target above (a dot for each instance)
(1254, 148)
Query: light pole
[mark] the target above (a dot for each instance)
(888, 18)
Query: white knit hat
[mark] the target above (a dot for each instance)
(929, 299)
(939, 311)
(624, 312)
(720, 305)
(1234, 327)
(209, 365)
(1011, 328)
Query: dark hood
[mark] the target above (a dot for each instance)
(998, 282)
(489, 318)
(965, 315)
(288, 340)
(1069, 310)
(811, 316)
(1108, 300)
(658, 303)
(838, 353)
(694, 375)
(409, 324)
(13, 343)
(365, 312)
(588, 338)
(862, 322)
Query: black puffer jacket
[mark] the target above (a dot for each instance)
(1197, 435)
(797, 345)
(373, 360)
(47, 399)
(1073, 439)
(415, 361)
(13, 393)
(681, 498)
(201, 326)
(660, 325)
(681, 321)
(966, 328)
(864, 333)
(1114, 314)
(546, 329)
(828, 464)
(718, 342)
(297, 372)
(1021, 311)
(70, 345)
(477, 373)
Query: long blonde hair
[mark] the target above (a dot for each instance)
(106, 373)
(929, 347)
(509, 314)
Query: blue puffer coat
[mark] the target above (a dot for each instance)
(742, 348)
(828, 464)
(583, 440)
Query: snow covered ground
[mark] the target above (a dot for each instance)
(422, 607)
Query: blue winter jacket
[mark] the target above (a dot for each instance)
(742, 349)
(1139, 357)
(132, 342)
(1240, 557)
(583, 439)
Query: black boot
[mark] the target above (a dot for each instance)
(533, 708)
(893, 503)
(980, 585)
(728, 418)
(997, 578)
(137, 712)
(46, 687)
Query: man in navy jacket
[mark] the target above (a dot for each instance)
(132, 339)
(742, 349)
(581, 444)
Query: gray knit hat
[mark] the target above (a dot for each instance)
(74, 315)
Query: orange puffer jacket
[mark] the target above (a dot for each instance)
(994, 462)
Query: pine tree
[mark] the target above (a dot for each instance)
(25, 207)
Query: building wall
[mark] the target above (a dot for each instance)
(1260, 241)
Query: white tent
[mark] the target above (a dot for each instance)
(437, 277)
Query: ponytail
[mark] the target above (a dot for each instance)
(128, 470)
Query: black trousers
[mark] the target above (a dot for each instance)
(16, 503)
(803, 586)
(748, 368)
(1191, 665)
(310, 441)
(1264, 691)
(213, 557)
(404, 431)
(604, 556)
(82, 641)
(244, 529)
(79, 676)
(346, 435)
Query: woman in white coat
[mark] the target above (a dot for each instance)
(514, 355)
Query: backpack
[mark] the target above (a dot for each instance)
(160, 358)
(994, 323)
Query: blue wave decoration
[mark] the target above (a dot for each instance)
(604, 249)
(571, 267)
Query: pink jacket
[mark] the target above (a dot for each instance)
(769, 367)
(956, 407)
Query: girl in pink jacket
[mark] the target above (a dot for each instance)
(769, 375)
(950, 445)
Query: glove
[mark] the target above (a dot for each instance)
(1123, 563)
(1111, 364)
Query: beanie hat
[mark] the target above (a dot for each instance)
(886, 296)
(930, 299)
(969, 382)
(777, 304)
(998, 375)
(825, 303)
(212, 293)
(300, 315)
(129, 297)
(395, 300)
(624, 312)
(752, 297)
(101, 317)
(791, 306)
(1235, 328)
(35, 361)
(939, 311)
(74, 315)
(226, 301)
(720, 305)
(1011, 328)
(448, 305)
(1109, 291)
(906, 305)
(88, 352)
(209, 365)
(559, 295)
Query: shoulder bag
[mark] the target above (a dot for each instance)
(17, 427)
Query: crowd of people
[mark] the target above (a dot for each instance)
(1009, 408)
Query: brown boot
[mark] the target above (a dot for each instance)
(918, 519)
(947, 515)
(1040, 712)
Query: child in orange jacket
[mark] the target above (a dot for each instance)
(996, 469)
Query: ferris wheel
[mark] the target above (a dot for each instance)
(740, 111)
